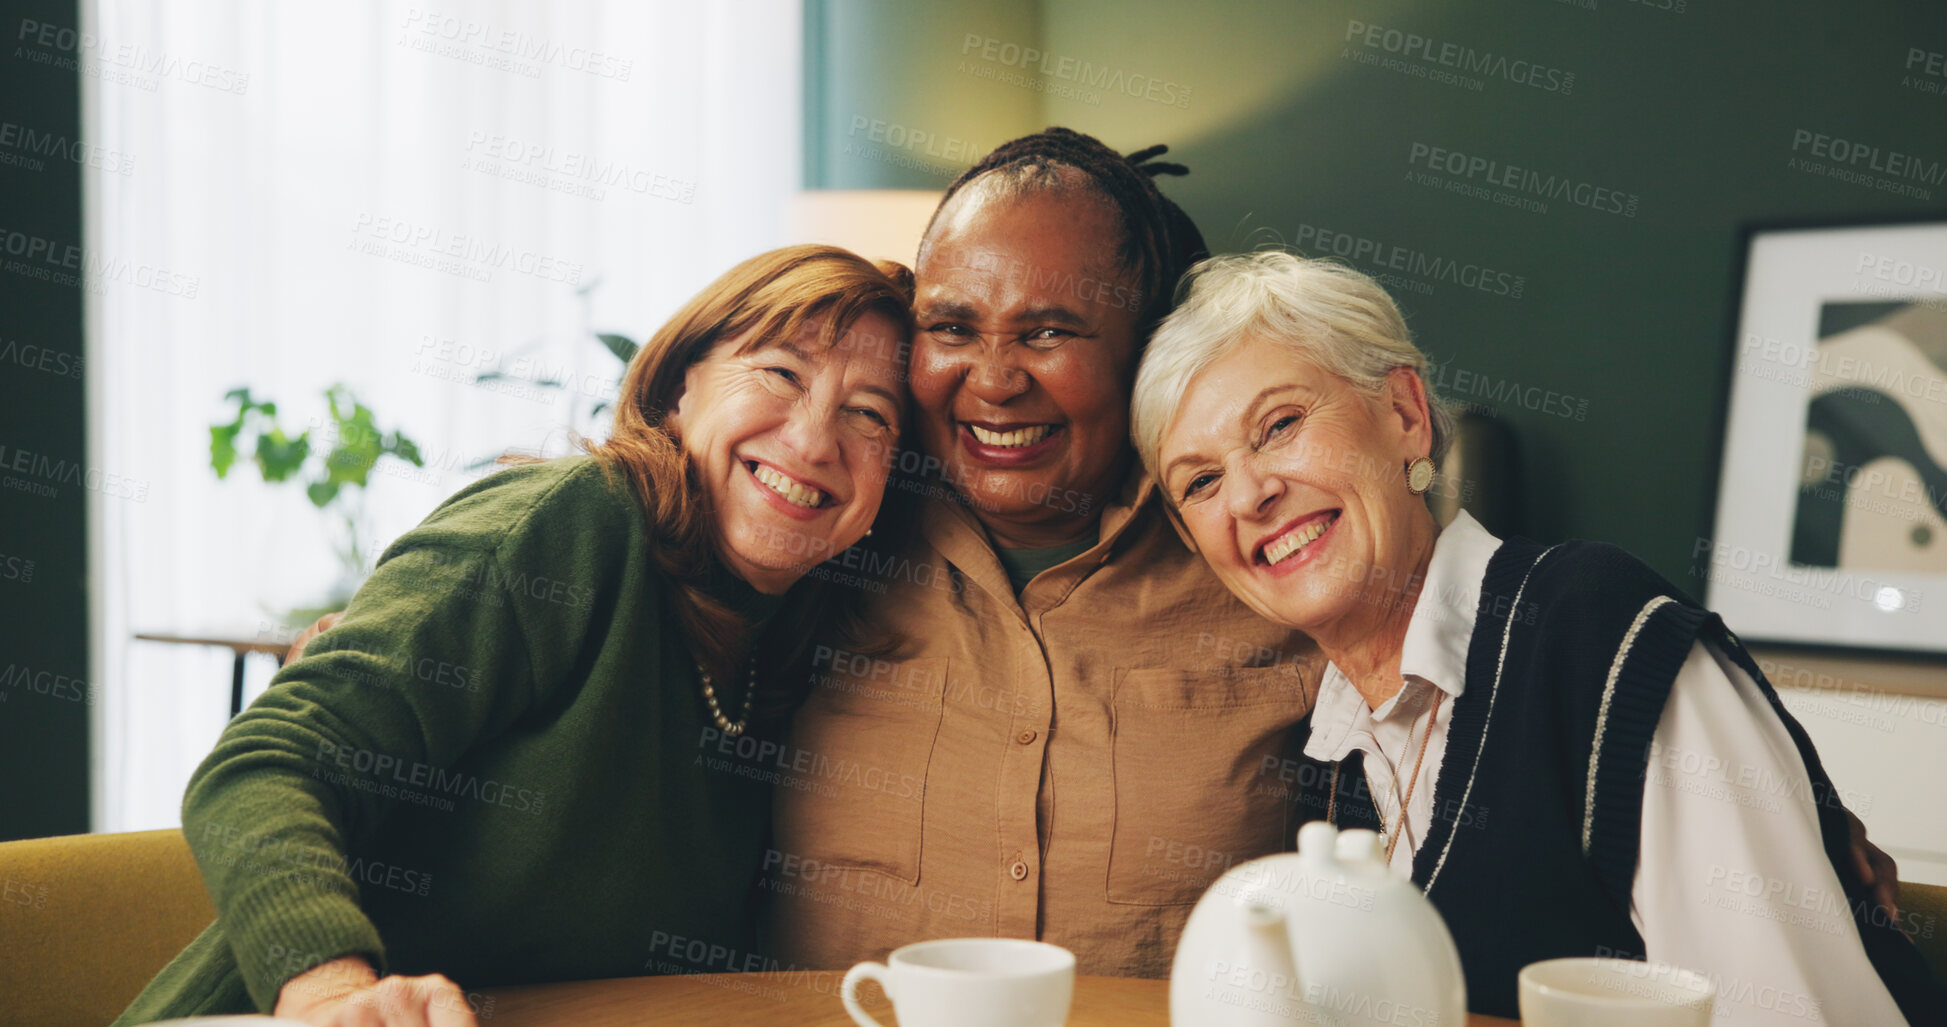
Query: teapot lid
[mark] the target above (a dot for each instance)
(1360, 845)
(1321, 844)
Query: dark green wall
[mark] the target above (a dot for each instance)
(885, 108)
(43, 608)
(1693, 111)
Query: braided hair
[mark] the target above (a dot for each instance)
(1159, 241)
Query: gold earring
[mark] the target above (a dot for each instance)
(868, 533)
(1419, 476)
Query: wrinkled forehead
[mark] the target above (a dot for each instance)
(1215, 408)
(1208, 417)
(875, 344)
(1004, 249)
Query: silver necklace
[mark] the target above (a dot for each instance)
(725, 724)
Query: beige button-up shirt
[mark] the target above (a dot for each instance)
(1075, 766)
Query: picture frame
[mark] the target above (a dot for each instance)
(1831, 515)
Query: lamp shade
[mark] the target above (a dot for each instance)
(881, 224)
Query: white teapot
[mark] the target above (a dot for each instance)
(1325, 935)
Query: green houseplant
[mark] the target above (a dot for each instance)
(334, 468)
(621, 347)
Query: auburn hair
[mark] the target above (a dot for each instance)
(766, 299)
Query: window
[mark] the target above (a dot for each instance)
(402, 198)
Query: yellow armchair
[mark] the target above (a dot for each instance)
(86, 920)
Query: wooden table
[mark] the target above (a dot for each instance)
(240, 647)
(798, 998)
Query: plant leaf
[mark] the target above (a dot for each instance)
(621, 345)
(279, 457)
(404, 448)
(358, 446)
(223, 447)
(496, 376)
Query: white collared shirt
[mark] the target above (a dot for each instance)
(1727, 808)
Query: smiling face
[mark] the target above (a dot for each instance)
(1023, 361)
(1290, 483)
(793, 441)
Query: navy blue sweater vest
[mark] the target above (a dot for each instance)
(1538, 803)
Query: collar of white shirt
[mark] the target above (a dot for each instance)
(1435, 650)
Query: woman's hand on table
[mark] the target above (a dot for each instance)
(346, 992)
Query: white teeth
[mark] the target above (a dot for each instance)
(796, 492)
(1291, 542)
(1011, 439)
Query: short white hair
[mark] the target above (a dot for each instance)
(1320, 310)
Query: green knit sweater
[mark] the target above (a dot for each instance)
(498, 767)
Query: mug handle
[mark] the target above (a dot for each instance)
(848, 991)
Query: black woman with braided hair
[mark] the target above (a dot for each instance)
(1075, 727)
(1078, 728)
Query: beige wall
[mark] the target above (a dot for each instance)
(1881, 729)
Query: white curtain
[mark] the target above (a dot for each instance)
(399, 197)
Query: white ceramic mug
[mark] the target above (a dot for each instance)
(970, 982)
(1589, 992)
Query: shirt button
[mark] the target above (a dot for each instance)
(1026, 737)
(1019, 871)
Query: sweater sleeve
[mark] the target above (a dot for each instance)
(437, 652)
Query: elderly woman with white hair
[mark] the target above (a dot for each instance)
(1567, 754)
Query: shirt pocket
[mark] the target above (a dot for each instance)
(861, 745)
(1194, 759)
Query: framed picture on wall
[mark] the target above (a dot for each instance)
(1831, 523)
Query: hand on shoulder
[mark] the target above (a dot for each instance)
(318, 627)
